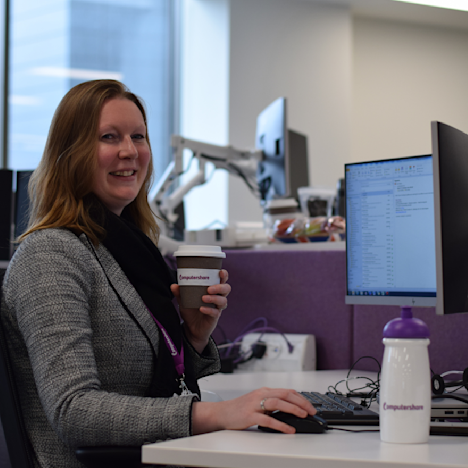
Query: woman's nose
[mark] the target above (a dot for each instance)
(128, 149)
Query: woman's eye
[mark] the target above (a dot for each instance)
(138, 136)
(107, 136)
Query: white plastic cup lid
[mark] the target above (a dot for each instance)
(199, 251)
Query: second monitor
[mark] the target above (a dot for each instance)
(284, 166)
(450, 150)
(390, 240)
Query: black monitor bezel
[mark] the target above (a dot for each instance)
(450, 160)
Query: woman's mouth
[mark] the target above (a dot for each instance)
(123, 173)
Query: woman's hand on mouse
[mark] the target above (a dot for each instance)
(200, 323)
(250, 410)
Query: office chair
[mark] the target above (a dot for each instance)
(16, 437)
(18, 444)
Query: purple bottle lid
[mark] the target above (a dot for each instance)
(406, 326)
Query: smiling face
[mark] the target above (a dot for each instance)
(123, 154)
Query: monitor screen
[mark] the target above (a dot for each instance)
(284, 167)
(390, 253)
(450, 151)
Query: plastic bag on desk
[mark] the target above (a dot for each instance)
(289, 230)
(315, 229)
(336, 228)
(294, 230)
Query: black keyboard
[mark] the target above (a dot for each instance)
(340, 410)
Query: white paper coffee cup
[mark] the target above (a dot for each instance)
(198, 268)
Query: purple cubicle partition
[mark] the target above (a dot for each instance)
(302, 291)
(448, 349)
(298, 292)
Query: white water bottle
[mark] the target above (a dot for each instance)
(405, 387)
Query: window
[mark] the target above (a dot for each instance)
(56, 44)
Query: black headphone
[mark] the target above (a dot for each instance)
(439, 384)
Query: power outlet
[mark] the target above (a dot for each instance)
(277, 356)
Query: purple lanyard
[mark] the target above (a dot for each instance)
(176, 356)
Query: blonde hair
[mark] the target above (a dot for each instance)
(60, 188)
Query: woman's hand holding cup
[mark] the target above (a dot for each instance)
(201, 291)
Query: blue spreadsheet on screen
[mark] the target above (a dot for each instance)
(390, 239)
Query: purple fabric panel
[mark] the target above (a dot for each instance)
(298, 292)
(448, 349)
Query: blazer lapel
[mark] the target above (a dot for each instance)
(126, 292)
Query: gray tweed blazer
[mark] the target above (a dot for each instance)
(81, 362)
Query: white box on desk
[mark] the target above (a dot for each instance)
(277, 356)
(242, 234)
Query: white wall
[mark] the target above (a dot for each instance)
(302, 51)
(360, 88)
(405, 76)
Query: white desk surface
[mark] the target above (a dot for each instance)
(333, 449)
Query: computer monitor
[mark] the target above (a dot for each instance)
(284, 167)
(390, 245)
(21, 214)
(450, 152)
(6, 218)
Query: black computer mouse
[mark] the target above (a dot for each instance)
(308, 425)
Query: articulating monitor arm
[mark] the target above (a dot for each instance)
(242, 163)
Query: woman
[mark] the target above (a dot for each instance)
(100, 354)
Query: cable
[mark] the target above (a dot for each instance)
(262, 330)
(243, 177)
(252, 323)
(209, 177)
(232, 166)
(352, 430)
(226, 345)
(453, 390)
(372, 386)
(257, 349)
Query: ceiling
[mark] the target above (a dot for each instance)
(398, 11)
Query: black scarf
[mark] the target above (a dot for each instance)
(149, 274)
